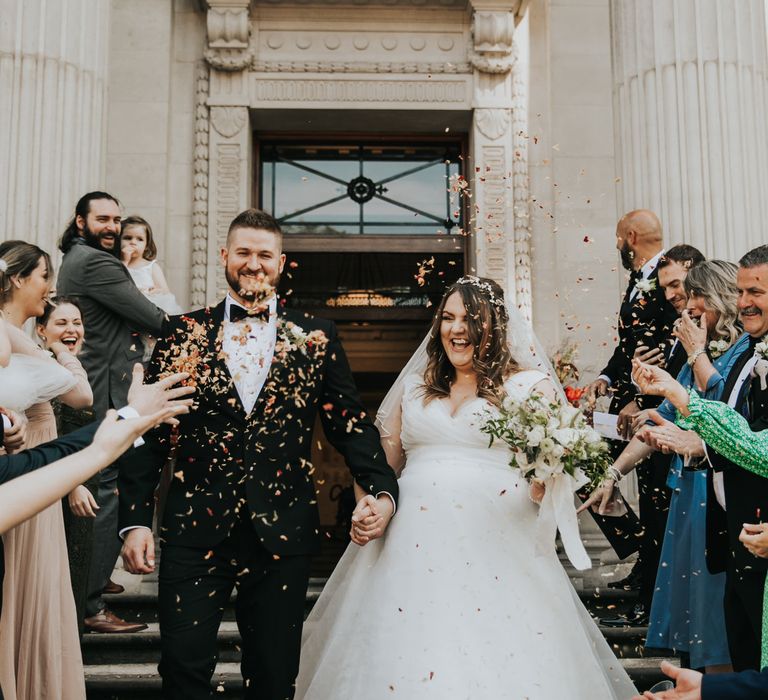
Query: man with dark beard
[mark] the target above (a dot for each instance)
(646, 319)
(241, 509)
(114, 312)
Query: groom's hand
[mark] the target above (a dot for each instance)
(370, 518)
(139, 551)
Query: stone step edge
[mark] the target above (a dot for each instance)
(145, 676)
(228, 633)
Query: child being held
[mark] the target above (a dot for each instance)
(138, 251)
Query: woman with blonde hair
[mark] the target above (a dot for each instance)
(687, 609)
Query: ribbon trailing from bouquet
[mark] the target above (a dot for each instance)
(558, 512)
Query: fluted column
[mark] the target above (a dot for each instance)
(690, 106)
(53, 69)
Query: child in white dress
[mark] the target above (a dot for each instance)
(139, 253)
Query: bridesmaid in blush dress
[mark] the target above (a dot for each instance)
(40, 655)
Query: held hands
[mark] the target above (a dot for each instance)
(687, 685)
(370, 518)
(82, 503)
(693, 336)
(755, 539)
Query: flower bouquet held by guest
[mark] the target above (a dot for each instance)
(458, 575)
(39, 646)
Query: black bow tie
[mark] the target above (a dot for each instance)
(238, 313)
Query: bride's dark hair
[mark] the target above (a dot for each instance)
(487, 321)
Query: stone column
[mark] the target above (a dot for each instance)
(53, 70)
(690, 106)
(230, 142)
(499, 207)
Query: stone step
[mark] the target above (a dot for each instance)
(144, 647)
(140, 681)
(142, 606)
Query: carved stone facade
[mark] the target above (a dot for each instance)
(446, 56)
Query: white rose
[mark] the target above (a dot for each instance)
(536, 435)
(547, 445)
(558, 451)
(592, 437)
(565, 436)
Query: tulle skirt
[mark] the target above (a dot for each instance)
(454, 602)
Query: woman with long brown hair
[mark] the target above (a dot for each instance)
(456, 600)
(39, 643)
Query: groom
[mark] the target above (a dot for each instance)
(241, 510)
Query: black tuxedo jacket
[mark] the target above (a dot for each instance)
(645, 320)
(746, 494)
(26, 461)
(230, 465)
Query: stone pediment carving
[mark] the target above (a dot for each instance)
(492, 34)
(493, 123)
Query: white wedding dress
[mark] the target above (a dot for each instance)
(455, 602)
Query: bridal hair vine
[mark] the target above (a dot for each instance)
(3, 265)
(484, 286)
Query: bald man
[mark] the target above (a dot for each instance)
(645, 318)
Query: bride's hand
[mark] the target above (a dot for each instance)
(536, 491)
(604, 495)
(370, 518)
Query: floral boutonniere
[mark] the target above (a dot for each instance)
(644, 286)
(291, 338)
(761, 366)
(717, 347)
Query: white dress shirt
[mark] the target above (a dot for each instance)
(249, 346)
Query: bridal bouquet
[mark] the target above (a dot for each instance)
(548, 439)
(552, 443)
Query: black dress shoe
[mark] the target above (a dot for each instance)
(631, 582)
(637, 617)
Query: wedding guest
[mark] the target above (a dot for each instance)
(20, 500)
(645, 318)
(39, 646)
(62, 322)
(672, 269)
(737, 496)
(113, 310)
(687, 613)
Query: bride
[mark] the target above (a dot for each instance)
(456, 601)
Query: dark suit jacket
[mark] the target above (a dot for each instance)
(26, 461)
(747, 685)
(227, 460)
(645, 320)
(114, 311)
(746, 494)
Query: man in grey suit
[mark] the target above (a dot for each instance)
(114, 313)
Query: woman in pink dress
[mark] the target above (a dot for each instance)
(40, 655)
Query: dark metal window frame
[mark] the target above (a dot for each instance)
(362, 189)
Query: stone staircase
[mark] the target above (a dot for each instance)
(124, 666)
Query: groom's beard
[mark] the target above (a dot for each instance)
(627, 257)
(234, 281)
